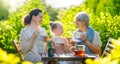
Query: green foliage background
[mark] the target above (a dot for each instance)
(104, 18)
(4, 12)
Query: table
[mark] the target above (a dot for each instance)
(64, 57)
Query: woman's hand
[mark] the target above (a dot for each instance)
(36, 33)
(83, 37)
(33, 37)
(93, 48)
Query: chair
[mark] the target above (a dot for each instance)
(18, 48)
(109, 46)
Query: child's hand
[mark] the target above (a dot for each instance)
(72, 48)
(46, 39)
(73, 43)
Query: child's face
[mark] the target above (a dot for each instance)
(58, 30)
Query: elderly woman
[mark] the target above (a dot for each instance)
(85, 35)
(33, 36)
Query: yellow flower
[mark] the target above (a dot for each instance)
(26, 62)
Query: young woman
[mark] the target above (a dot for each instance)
(32, 37)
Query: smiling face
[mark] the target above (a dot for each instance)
(38, 19)
(79, 23)
(58, 30)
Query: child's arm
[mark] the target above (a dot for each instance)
(72, 46)
(66, 46)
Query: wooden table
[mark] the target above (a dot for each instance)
(64, 57)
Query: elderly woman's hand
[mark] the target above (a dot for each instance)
(83, 37)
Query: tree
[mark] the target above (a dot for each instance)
(52, 12)
(107, 6)
(4, 10)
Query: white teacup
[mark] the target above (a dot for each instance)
(78, 34)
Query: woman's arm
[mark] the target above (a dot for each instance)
(26, 42)
(95, 46)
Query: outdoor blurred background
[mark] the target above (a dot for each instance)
(104, 17)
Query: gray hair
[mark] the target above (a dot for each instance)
(83, 16)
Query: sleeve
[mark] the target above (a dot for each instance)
(25, 44)
(97, 40)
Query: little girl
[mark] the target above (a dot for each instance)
(60, 43)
